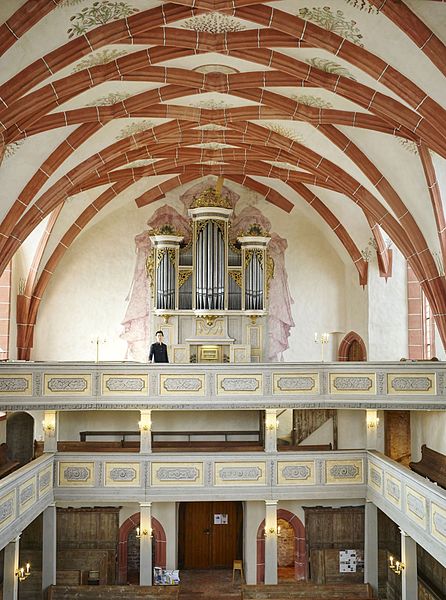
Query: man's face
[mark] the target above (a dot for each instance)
(159, 337)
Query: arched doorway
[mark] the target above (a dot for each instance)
(293, 544)
(352, 348)
(128, 551)
(20, 437)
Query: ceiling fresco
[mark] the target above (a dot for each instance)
(333, 105)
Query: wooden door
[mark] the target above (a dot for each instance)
(210, 534)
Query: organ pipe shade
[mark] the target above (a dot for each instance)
(165, 280)
(210, 267)
(254, 283)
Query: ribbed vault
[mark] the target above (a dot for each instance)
(286, 98)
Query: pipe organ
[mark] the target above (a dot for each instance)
(212, 276)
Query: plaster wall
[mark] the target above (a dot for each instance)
(357, 306)
(427, 428)
(351, 429)
(387, 322)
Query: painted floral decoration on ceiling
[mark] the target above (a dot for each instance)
(329, 66)
(285, 131)
(98, 58)
(364, 5)
(11, 149)
(408, 145)
(133, 128)
(211, 103)
(335, 22)
(110, 99)
(63, 3)
(99, 13)
(308, 100)
(213, 23)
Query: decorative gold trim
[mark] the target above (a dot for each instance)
(150, 269)
(236, 275)
(269, 272)
(254, 230)
(210, 197)
(183, 276)
(165, 230)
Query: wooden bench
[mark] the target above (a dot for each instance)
(303, 448)
(112, 592)
(7, 465)
(307, 591)
(431, 465)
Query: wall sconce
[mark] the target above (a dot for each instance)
(396, 566)
(271, 531)
(144, 425)
(141, 533)
(372, 422)
(48, 427)
(23, 572)
(272, 425)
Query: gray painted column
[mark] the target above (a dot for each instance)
(409, 576)
(270, 541)
(10, 566)
(371, 546)
(50, 431)
(145, 544)
(145, 428)
(49, 547)
(270, 430)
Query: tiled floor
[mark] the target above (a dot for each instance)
(209, 585)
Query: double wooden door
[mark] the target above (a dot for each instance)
(210, 534)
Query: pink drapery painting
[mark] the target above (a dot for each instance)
(137, 318)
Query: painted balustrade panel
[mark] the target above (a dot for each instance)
(415, 503)
(95, 386)
(23, 496)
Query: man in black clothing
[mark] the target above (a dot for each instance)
(158, 350)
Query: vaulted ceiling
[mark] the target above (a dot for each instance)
(335, 104)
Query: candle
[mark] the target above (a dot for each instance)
(315, 337)
(391, 560)
(27, 567)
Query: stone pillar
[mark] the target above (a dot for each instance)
(145, 428)
(270, 541)
(409, 575)
(371, 546)
(10, 566)
(145, 543)
(49, 547)
(50, 431)
(270, 430)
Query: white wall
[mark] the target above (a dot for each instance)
(351, 429)
(427, 428)
(388, 311)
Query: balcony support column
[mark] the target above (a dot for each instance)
(271, 541)
(145, 428)
(270, 430)
(145, 543)
(10, 566)
(49, 547)
(409, 576)
(371, 546)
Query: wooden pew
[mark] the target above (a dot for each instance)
(112, 592)
(304, 448)
(307, 591)
(431, 465)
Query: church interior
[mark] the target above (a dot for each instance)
(264, 183)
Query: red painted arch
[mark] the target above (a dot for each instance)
(160, 544)
(347, 342)
(300, 550)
